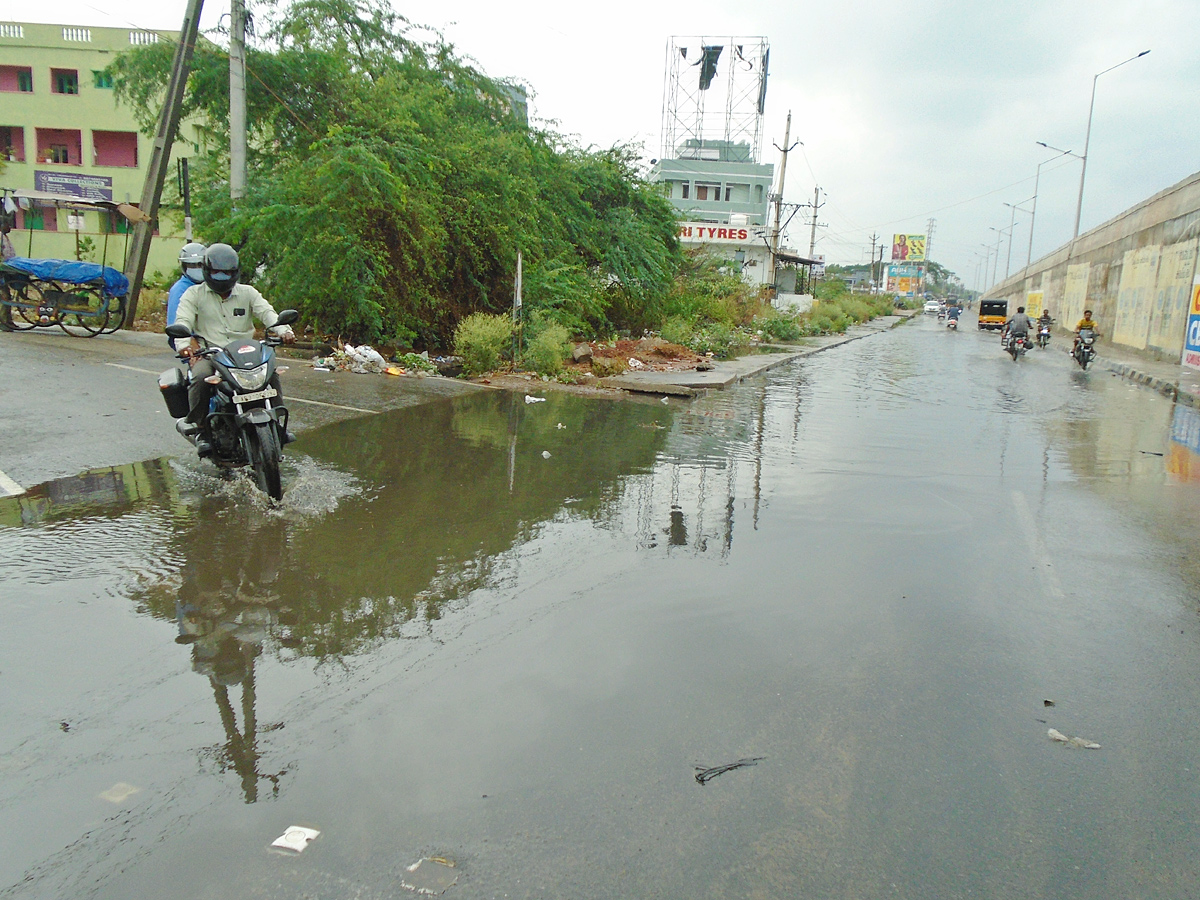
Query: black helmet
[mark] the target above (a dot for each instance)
(221, 268)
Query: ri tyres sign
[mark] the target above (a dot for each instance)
(71, 184)
(708, 233)
(1191, 339)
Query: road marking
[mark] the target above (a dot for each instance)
(1037, 548)
(370, 412)
(10, 487)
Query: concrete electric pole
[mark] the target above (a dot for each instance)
(775, 228)
(237, 100)
(160, 156)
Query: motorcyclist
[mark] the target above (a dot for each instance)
(222, 311)
(1045, 319)
(1019, 324)
(954, 311)
(191, 264)
(1085, 322)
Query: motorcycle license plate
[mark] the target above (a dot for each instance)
(264, 394)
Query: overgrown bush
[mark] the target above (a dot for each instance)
(547, 349)
(780, 327)
(482, 341)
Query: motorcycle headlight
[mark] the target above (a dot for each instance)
(250, 379)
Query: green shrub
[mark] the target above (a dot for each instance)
(678, 330)
(482, 341)
(414, 362)
(779, 328)
(604, 366)
(547, 349)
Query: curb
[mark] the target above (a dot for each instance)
(1164, 386)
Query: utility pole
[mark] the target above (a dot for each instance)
(874, 238)
(929, 229)
(160, 155)
(812, 239)
(784, 151)
(881, 246)
(237, 100)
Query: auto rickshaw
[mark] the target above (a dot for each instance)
(992, 314)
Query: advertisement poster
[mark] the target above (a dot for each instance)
(70, 184)
(1184, 459)
(1191, 338)
(908, 247)
(1033, 304)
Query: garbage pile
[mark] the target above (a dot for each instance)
(366, 360)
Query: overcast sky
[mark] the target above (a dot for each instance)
(907, 111)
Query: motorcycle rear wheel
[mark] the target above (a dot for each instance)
(264, 451)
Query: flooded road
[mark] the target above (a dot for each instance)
(511, 635)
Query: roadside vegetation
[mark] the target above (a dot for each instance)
(392, 184)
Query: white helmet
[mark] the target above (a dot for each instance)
(192, 254)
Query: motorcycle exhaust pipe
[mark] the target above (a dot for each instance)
(187, 430)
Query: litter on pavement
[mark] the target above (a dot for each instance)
(296, 838)
(1083, 743)
(119, 792)
(705, 775)
(430, 875)
(529, 399)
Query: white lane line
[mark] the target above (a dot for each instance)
(371, 412)
(1037, 547)
(10, 487)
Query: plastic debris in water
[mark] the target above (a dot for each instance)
(296, 838)
(119, 792)
(529, 399)
(1047, 703)
(635, 363)
(1082, 743)
(430, 875)
(665, 400)
(705, 775)
(560, 426)
(545, 454)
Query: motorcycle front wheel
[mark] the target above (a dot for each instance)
(264, 452)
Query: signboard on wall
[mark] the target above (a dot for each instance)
(1191, 338)
(1033, 304)
(708, 233)
(903, 280)
(71, 184)
(908, 247)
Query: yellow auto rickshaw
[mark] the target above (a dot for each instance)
(992, 314)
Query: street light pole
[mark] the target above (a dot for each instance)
(1037, 180)
(1088, 138)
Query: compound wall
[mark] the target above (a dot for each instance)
(1134, 272)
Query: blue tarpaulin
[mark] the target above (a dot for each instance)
(71, 272)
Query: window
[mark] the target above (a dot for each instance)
(64, 81)
(16, 79)
(708, 191)
(101, 79)
(60, 146)
(115, 148)
(12, 143)
(686, 189)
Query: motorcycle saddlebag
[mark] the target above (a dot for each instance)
(174, 391)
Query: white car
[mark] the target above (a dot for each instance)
(932, 307)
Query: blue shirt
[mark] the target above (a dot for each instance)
(174, 296)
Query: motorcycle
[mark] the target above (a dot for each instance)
(1085, 348)
(243, 426)
(1016, 345)
(952, 323)
(1043, 336)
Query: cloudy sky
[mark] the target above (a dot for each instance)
(930, 109)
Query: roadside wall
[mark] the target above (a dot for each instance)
(1134, 272)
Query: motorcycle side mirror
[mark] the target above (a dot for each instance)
(287, 317)
(178, 331)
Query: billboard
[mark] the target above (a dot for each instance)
(908, 247)
(1191, 337)
(69, 184)
(903, 280)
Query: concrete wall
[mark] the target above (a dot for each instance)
(1134, 272)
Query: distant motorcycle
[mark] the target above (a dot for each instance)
(1085, 348)
(952, 324)
(1016, 345)
(1043, 336)
(244, 424)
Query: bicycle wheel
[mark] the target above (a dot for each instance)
(81, 308)
(24, 298)
(116, 315)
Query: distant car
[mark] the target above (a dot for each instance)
(932, 307)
